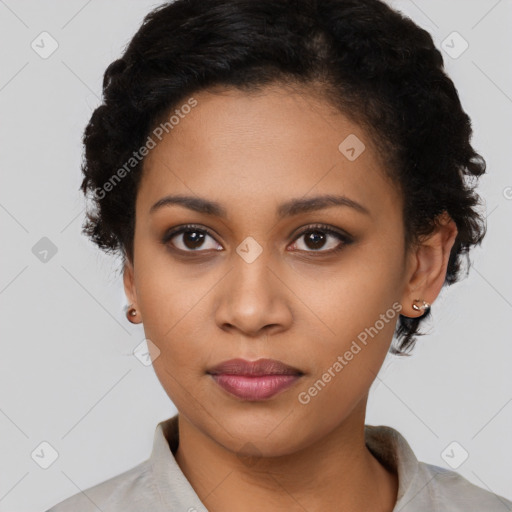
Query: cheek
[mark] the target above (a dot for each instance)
(171, 323)
(355, 311)
(164, 295)
(367, 290)
(347, 357)
(354, 296)
(174, 306)
(170, 310)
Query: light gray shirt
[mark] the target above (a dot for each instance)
(159, 485)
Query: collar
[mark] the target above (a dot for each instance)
(386, 444)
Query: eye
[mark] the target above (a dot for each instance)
(317, 237)
(190, 238)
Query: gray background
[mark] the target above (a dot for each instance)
(68, 376)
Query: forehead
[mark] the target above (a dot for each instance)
(234, 146)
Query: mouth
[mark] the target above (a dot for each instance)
(258, 368)
(254, 380)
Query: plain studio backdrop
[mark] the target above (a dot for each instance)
(71, 387)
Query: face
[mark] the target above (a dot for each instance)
(318, 289)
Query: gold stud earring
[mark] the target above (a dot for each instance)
(132, 312)
(424, 305)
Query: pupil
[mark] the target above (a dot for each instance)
(195, 237)
(317, 238)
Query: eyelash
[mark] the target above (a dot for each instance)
(344, 238)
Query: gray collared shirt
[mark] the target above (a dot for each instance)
(159, 485)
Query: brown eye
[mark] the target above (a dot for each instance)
(315, 239)
(322, 239)
(193, 239)
(190, 239)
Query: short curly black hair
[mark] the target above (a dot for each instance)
(370, 61)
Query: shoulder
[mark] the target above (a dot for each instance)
(451, 491)
(132, 490)
(425, 487)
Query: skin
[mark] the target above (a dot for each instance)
(294, 302)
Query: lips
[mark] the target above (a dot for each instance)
(254, 380)
(260, 367)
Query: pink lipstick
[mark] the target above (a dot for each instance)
(254, 380)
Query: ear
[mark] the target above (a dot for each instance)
(129, 283)
(427, 265)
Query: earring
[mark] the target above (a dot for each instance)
(130, 314)
(425, 305)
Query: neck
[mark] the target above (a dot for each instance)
(336, 471)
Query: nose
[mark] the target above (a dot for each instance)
(254, 299)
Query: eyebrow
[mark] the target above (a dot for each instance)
(288, 209)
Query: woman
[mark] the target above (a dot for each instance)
(286, 182)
